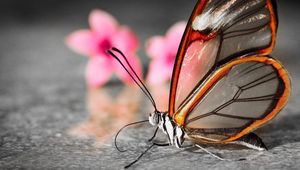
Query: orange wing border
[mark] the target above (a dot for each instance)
(272, 7)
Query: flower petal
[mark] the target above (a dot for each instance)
(102, 23)
(125, 40)
(159, 73)
(98, 71)
(174, 36)
(82, 42)
(163, 51)
(123, 75)
(155, 47)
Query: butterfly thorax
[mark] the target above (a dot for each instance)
(168, 126)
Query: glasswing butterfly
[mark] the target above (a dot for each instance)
(224, 83)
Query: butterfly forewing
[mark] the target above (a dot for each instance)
(217, 32)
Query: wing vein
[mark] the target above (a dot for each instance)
(240, 18)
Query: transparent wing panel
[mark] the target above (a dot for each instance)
(249, 92)
(248, 33)
(198, 60)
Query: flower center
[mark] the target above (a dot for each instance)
(170, 58)
(104, 45)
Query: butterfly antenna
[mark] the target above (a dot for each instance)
(130, 124)
(138, 78)
(133, 76)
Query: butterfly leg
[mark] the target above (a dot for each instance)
(161, 144)
(179, 137)
(154, 135)
(252, 141)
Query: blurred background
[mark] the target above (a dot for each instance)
(42, 85)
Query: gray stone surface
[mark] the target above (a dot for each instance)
(42, 93)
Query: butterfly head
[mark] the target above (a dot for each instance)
(154, 118)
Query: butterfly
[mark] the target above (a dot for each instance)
(224, 84)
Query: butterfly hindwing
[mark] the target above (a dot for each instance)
(239, 97)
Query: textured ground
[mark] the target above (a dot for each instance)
(43, 95)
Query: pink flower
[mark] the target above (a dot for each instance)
(105, 33)
(162, 51)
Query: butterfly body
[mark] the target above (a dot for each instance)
(169, 127)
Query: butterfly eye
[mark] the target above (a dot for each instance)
(153, 119)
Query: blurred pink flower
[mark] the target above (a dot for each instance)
(162, 50)
(105, 33)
